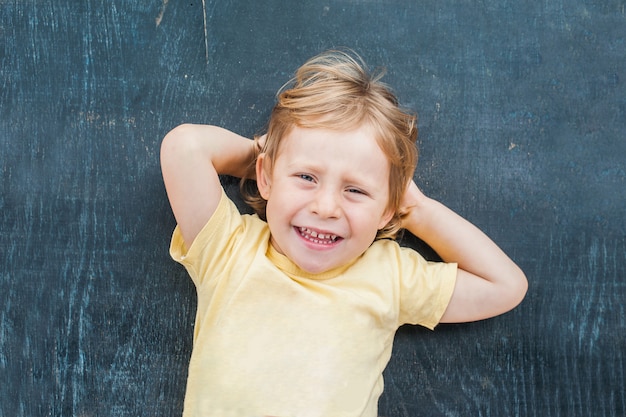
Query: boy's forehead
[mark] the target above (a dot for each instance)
(296, 133)
(335, 144)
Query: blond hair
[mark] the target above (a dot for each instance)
(335, 90)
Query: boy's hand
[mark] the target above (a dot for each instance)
(412, 196)
(260, 142)
(413, 199)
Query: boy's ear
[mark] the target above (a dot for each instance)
(263, 180)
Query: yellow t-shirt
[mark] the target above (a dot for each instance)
(272, 340)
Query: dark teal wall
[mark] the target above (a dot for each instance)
(522, 108)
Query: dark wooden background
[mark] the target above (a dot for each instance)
(522, 110)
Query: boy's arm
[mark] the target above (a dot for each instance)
(192, 156)
(488, 281)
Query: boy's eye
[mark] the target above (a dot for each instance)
(355, 191)
(305, 177)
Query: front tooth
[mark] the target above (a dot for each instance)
(314, 233)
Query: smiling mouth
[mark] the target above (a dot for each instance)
(317, 237)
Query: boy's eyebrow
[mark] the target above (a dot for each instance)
(297, 161)
(301, 164)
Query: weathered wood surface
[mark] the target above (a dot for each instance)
(522, 130)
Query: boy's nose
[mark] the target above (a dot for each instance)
(326, 204)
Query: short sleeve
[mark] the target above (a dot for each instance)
(425, 289)
(212, 242)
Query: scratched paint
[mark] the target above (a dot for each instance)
(521, 130)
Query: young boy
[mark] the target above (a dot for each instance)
(298, 305)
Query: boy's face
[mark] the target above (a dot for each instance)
(327, 196)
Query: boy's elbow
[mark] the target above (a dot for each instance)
(172, 139)
(508, 293)
(517, 289)
(181, 141)
(177, 136)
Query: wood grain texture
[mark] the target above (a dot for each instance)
(522, 117)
